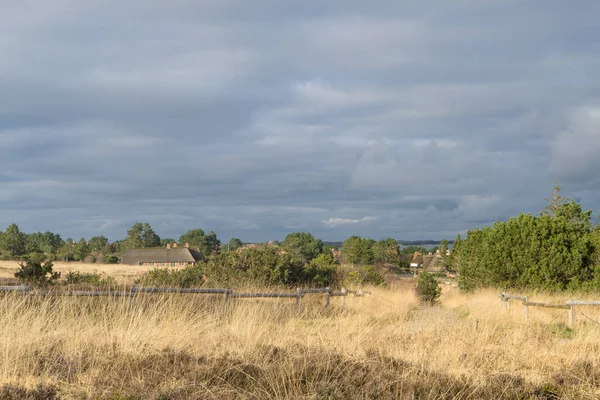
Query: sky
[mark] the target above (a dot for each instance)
(411, 119)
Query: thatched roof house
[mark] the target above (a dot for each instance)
(170, 256)
(430, 262)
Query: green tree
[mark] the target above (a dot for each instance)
(13, 241)
(453, 261)
(39, 242)
(194, 237)
(67, 250)
(443, 246)
(81, 250)
(98, 243)
(165, 241)
(303, 244)
(149, 237)
(234, 244)
(212, 244)
(141, 235)
(386, 252)
(358, 250)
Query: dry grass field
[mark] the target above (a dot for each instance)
(380, 346)
(123, 274)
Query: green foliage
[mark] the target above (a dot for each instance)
(367, 275)
(141, 235)
(443, 246)
(263, 266)
(194, 237)
(453, 261)
(92, 278)
(187, 277)
(234, 244)
(98, 243)
(552, 251)
(358, 250)
(81, 250)
(386, 252)
(36, 274)
(67, 250)
(303, 244)
(208, 244)
(13, 242)
(46, 242)
(321, 271)
(410, 250)
(36, 257)
(428, 290)
(165, 241)
(111, 259)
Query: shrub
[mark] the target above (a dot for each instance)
(267, 266)
(36, 274)
(428, 290)
(321, 270)
(76, 277)
(367, 275)
(183, 278)
(111, 259)
(36, 257)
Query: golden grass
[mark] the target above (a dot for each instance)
(123, 274)
(379, 346)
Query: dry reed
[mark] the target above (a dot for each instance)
(379, 346)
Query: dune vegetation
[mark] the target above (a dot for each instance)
(384, 345)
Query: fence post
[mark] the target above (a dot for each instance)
(508, 304)
(327, 297)
(571, 316)
(343, 297)
(526, 304)
(298, 296)
(228, 293)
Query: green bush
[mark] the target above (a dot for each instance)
(321, 271)
(428, 290)
(36, 257)
(267, 266)
(111, 259)
(36, 274)
(183, 278)
(76, 277)
(366, 275)
(548, 252)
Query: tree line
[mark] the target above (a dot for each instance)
(299, 258)
(18, 245)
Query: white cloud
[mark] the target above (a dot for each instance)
(334, 222)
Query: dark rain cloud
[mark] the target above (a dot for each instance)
(255, 119)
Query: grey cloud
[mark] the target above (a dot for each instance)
(259, 118)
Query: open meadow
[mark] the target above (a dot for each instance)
(122, 274)
(384, 345)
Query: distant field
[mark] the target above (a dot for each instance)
(123, 274)
(382, 346)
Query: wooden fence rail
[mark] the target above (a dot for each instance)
(227, 292)
(569, 305)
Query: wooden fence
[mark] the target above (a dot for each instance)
(226, 293)
(569, 305)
